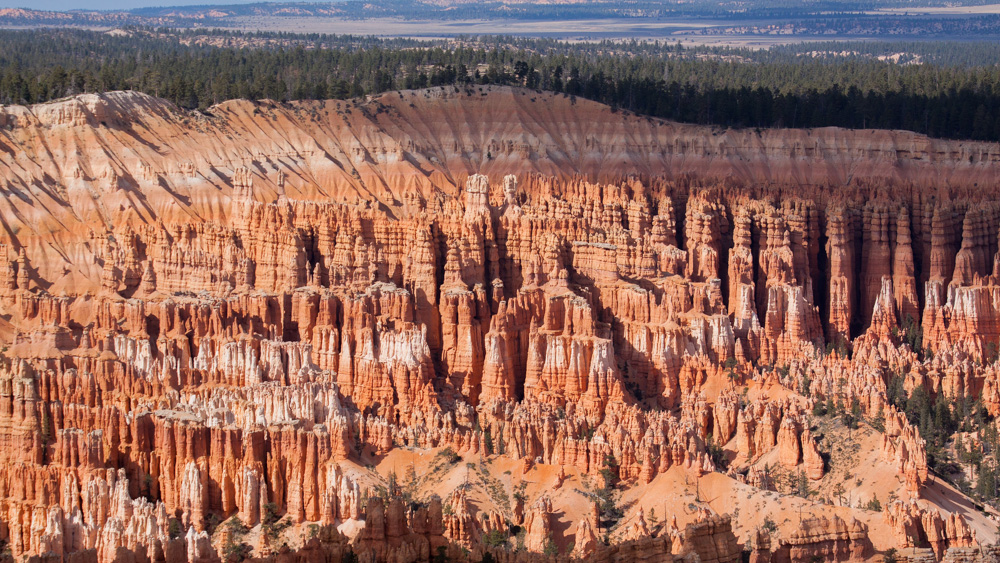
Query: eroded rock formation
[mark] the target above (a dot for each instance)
(251, 333)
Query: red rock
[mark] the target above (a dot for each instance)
(828, 539)
(910, 523)
(266, 327)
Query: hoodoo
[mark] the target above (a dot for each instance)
(484, 322)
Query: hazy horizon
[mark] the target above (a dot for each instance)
(62, 5)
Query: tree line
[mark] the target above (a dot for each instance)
(730, 88)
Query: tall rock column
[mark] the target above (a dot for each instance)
(840, 252)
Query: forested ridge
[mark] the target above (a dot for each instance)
(828, 14)
(953, 93)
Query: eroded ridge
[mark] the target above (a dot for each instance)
(399, 365)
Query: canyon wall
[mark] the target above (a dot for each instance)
(238, 315)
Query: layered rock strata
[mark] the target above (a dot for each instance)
(244, 331)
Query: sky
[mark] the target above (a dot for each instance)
(61, 5)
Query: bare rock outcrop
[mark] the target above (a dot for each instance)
(272, 327)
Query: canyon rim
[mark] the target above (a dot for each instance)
(484, 322)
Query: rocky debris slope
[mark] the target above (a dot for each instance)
(221, 327)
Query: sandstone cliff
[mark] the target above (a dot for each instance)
(261, 315)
